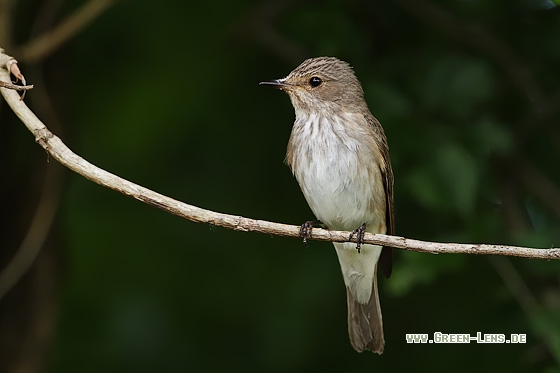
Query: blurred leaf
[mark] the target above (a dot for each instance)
(492, 137)
(386, 101)
(422, 183)
(416, 269)
(459, 175)
(456, 85)
(547, 323)
(448, 182)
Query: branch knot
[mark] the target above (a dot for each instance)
(42, 136)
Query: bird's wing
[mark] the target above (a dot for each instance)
(386, 258)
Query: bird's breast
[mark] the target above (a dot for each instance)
(333, 160)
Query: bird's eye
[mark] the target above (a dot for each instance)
(315, 81)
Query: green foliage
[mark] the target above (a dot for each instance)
(166, 94)
(433, 188)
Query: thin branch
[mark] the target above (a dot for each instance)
(260, 23)
(34, 238)
(16, 87)
(518, 288)
(481, 39)
(45, 211)
(516, 285)
(11, 66)
(59, 151)
(42, 46)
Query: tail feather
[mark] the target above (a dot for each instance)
(365, 324)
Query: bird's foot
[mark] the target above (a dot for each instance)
(359, 233)
(306, 228)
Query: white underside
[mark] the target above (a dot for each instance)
(337, 188)
(341, 192)
(358, 269)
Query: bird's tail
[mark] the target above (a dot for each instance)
(359, 270)
(365, 324)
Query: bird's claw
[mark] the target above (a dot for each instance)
(359, 233)
(306, 229)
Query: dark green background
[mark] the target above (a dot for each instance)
(165, 94)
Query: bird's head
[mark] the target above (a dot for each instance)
(322, 83)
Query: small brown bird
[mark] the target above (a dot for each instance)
(339, 155)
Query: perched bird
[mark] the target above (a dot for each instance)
(339, 155)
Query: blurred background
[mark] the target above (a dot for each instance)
(165, 93)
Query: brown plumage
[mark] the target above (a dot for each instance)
(339, 155)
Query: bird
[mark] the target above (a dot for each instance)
(339, 155)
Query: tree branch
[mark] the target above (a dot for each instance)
(481, 39)
(45, 44)
(59, 151)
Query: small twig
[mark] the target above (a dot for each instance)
(16, 87)
(59, 151)
(516, 285)
(45, 44)
(259, 24)
(522, 294)
(11, 66)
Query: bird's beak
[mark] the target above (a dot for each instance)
(278, 83)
